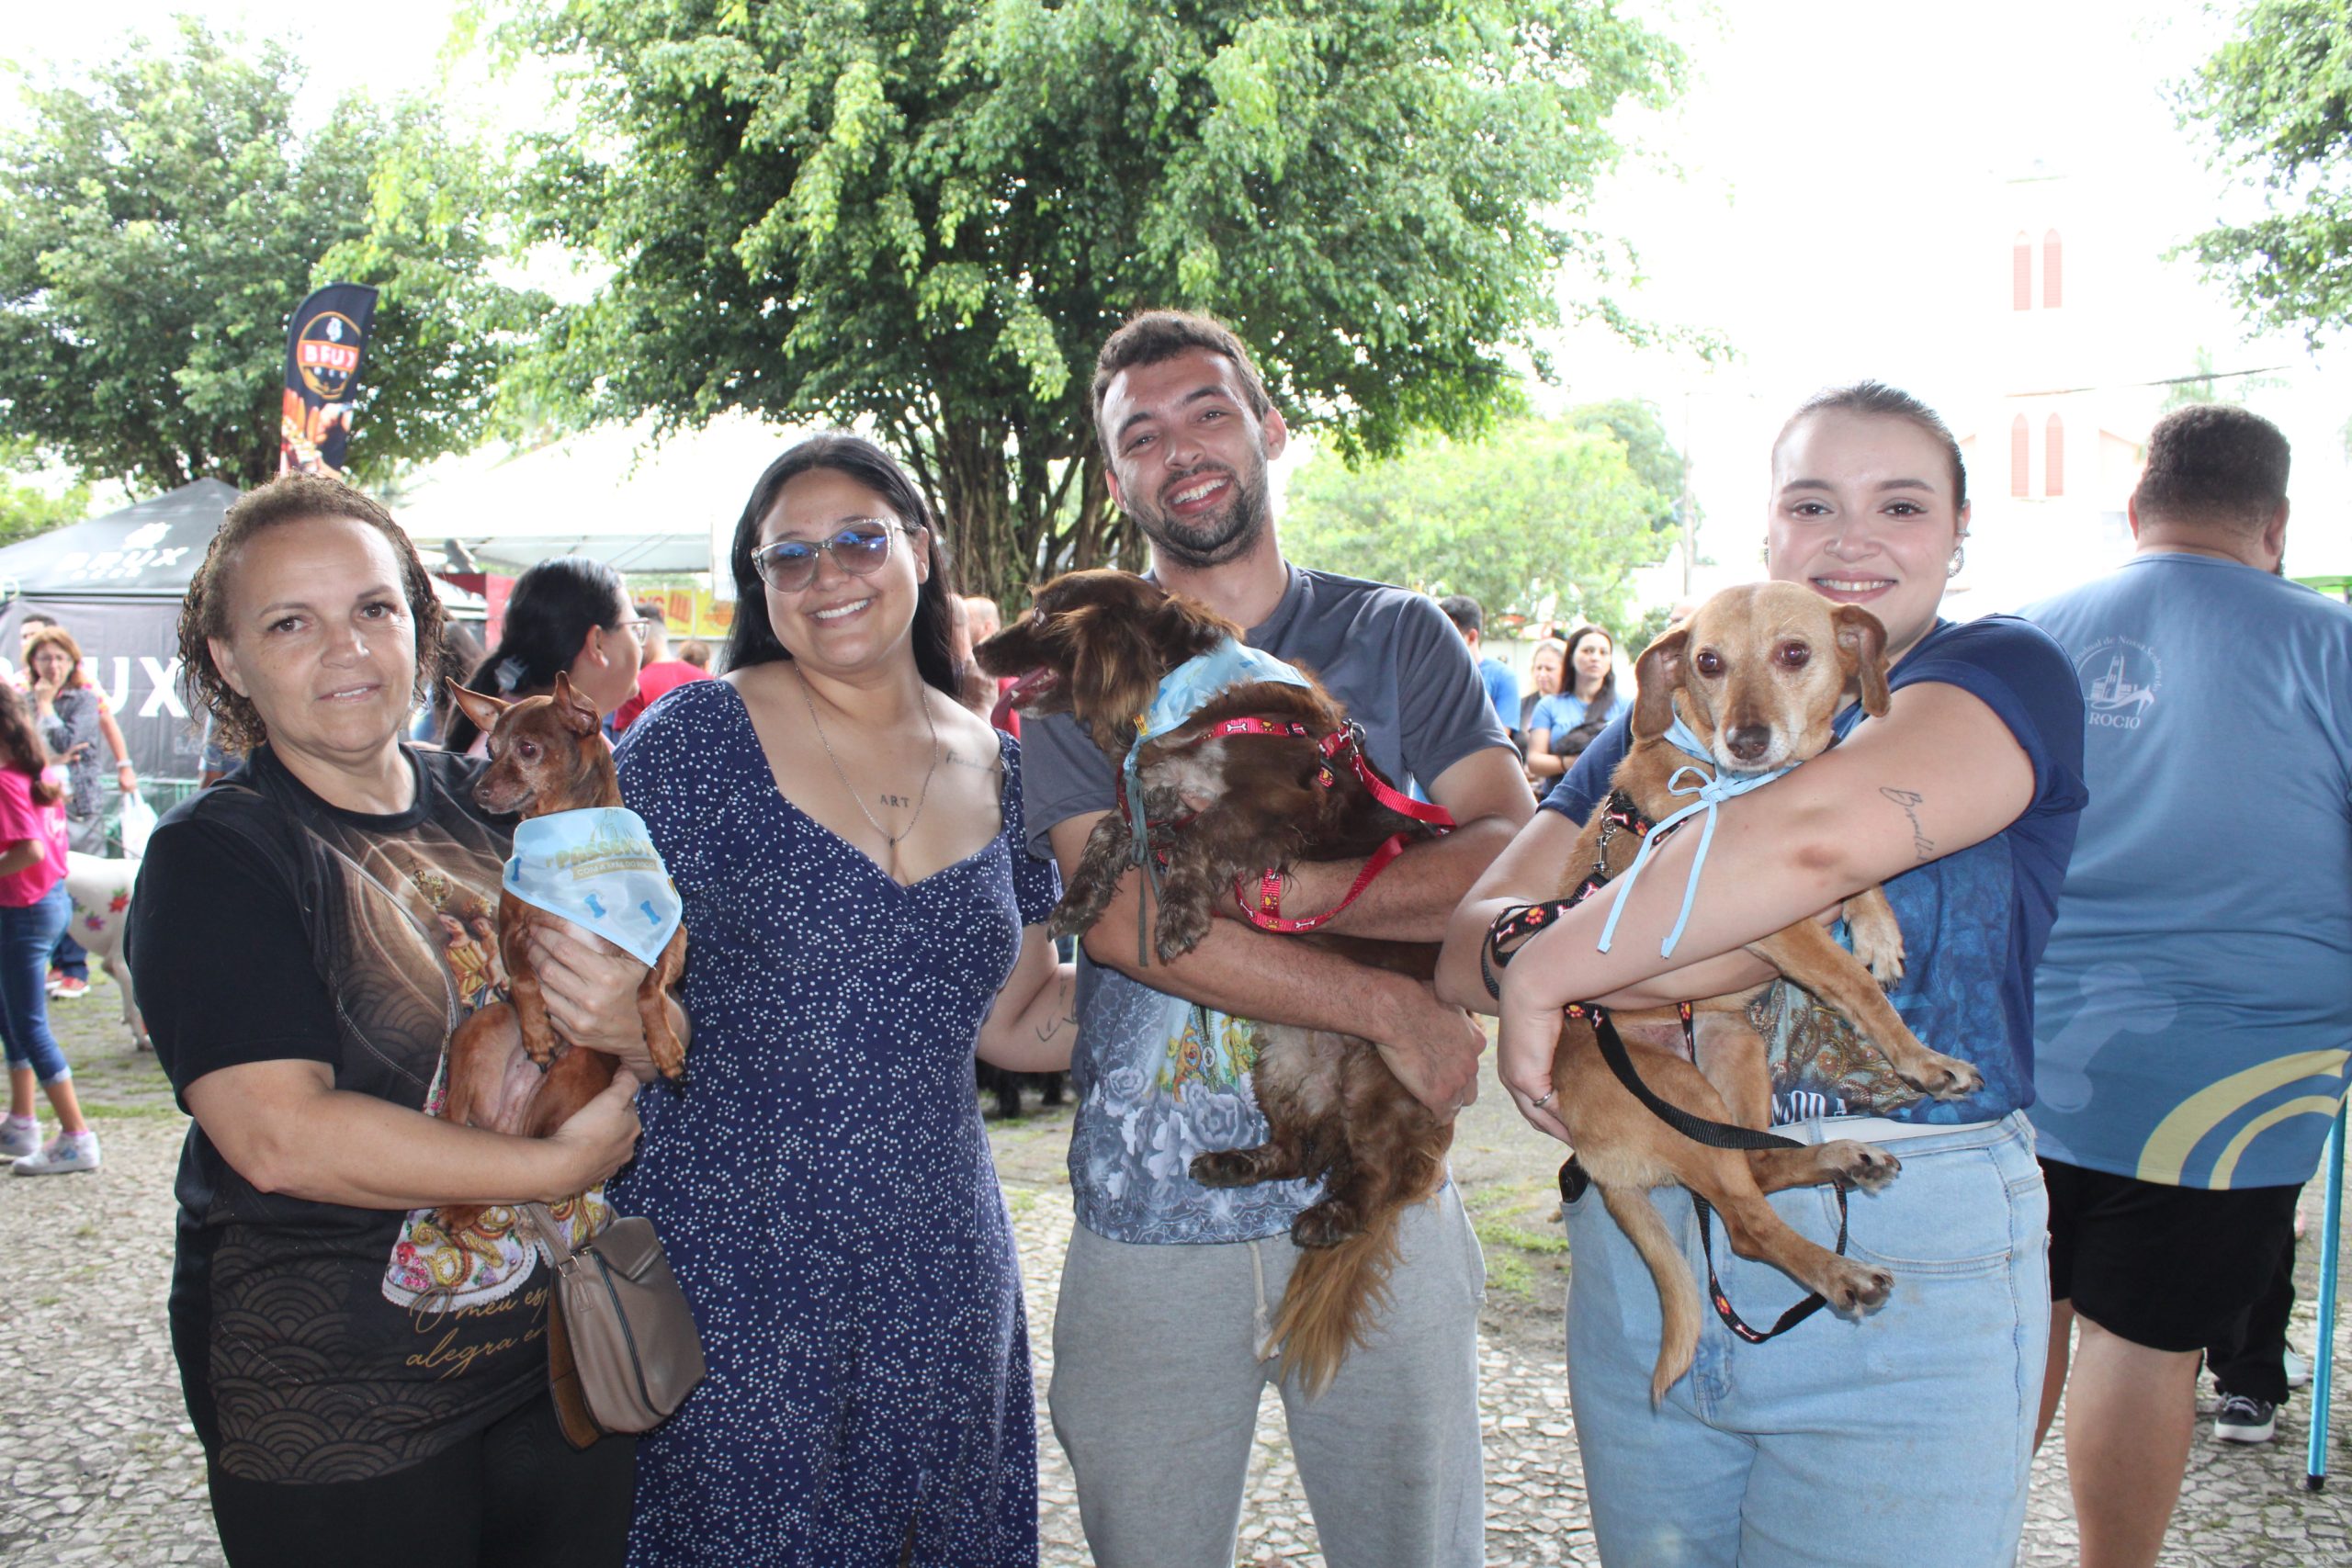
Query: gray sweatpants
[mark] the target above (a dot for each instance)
(1156, 1387)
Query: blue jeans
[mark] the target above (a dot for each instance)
(27, 934)
(1904, 1436)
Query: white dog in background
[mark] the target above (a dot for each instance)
(101, 893)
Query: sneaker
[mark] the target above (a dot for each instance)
(2298, 1370)
(2239, 1420)
(69, 989)
(18, 1138)
(67, 1151)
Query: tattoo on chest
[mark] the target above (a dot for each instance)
(898, 800)
(1922, 846)
(962, 759)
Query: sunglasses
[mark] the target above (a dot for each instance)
(790, 565)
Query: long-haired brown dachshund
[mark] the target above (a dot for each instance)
(1756, 676)
(1223, 809)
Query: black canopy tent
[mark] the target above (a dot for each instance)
(116, 582)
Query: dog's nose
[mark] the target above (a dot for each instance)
(1748, 741)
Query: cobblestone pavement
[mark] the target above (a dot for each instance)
(101, 1468)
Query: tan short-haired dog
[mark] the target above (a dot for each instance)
(1756, 675)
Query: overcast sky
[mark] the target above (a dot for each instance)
(1827, 197)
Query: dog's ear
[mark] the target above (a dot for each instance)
(1183, 630)
(1656, 675)
(480, 706)
(1114, 664)
(578, 714)
(1862, 643)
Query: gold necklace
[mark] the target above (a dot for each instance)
(891, 840)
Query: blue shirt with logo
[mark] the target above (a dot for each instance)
(1974, 921)
(2195, 1005)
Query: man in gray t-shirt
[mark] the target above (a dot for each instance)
(1169, 1286)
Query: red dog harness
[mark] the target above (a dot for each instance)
(1345, 744)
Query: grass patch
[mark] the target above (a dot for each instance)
(1021, 1201)
(103, 1111)
(1500, 1232)
(1509, 1275)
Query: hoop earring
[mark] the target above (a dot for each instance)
(1959, 559)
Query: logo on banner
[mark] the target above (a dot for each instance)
(327, 353)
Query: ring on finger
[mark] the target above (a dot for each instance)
(1539, 1102)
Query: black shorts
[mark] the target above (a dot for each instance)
(2170, 1267)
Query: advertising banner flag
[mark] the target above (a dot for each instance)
(325, 343)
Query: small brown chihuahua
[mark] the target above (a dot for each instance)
(547, 755)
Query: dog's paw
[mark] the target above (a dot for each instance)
(1328, 1224)
(1857, 1288)
(1942, 1077)
(1862, 1165)
(1881, 953)
(1180, 931)
(1225, 1168)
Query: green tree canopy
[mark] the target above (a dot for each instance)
(928, 217)
(2277, 100)
(1544, 519)
(158, 226)
(27, 506)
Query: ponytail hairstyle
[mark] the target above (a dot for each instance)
(22, 749)
(554, 606)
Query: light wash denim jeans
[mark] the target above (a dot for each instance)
(26, 935)
(1904, 1436)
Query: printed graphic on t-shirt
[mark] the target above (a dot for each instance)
(2120, 678)
(433, 1269)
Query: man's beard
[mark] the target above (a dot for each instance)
(1217, 537)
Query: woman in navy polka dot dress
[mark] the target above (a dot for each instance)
(862, 912)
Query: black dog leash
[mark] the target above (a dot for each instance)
(1520, 921)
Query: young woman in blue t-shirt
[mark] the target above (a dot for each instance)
(1905, 1435)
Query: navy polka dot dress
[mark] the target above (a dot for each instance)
(823, 1185)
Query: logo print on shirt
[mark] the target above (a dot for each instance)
(2121, 679)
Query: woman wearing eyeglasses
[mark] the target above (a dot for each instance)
(848, 841)
(571, 616)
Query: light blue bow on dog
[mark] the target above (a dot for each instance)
(598, 867)
(1711, 793)
(1187, 689)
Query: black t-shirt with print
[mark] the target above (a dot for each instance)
(319, 1342)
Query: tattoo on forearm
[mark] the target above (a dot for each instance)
(1055, 1025)
(1921, 845)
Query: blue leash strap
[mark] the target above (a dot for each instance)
(1712, 790)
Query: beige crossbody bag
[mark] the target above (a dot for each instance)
(623, 1352)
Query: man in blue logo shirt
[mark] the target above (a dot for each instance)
(2194, 1008)
(1502, 686)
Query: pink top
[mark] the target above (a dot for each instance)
(21, 820)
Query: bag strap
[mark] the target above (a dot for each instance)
(552, 1234)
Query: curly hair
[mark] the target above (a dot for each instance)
(2213, 464)
(286, 500)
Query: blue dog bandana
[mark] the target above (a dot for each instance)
(597, 868)
(1711, 793)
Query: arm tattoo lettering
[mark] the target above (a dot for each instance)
(1921, 845)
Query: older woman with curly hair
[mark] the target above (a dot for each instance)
(356, 1373)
